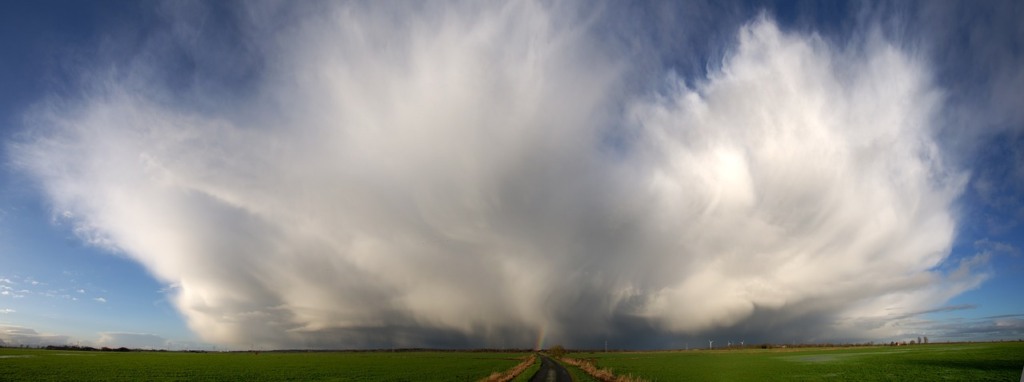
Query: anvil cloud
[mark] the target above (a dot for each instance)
(478, 175)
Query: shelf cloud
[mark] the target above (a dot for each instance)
(348, 176)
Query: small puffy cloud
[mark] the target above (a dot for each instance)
(8, 291)
(100, 299)
(7, 310)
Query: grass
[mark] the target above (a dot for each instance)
(579, 375)
(51, 365)
(973, 362)
(529, 372)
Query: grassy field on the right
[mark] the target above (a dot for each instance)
(1000, 361)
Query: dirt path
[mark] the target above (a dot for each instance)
(551, 371)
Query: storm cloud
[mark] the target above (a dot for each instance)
(493, 175)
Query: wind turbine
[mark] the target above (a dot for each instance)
(709, 344)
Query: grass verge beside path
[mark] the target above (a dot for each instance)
(594, 373)
(578, 375)
(529, 372)
(515, 371)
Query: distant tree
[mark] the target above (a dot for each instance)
(919, 340)
(556, 351)
(925, 339)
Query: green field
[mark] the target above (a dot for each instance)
(53, 365)
(966, 362)
(932, 362)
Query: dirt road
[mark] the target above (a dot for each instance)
(551, 371)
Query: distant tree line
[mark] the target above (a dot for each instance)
(919, 341)
(86, 348)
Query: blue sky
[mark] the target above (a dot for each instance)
(346, 175)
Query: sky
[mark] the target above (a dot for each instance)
(341, 175)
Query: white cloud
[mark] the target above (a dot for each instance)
(100, 299)
(132, 340)
(799, 174)
(19, 335)
(447, 176)
(7, 311)
(6, 290)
